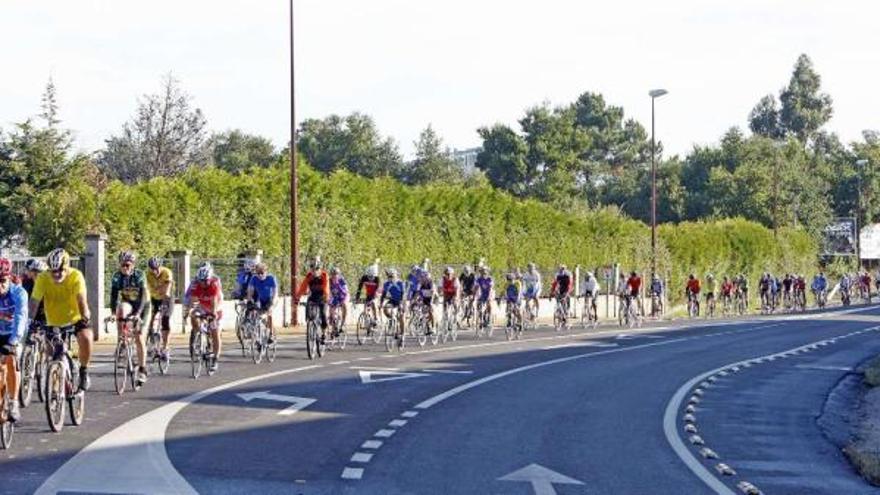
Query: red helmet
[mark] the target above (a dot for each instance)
(5, 267)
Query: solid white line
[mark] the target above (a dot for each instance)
(823, 368)
(454, 372)
(372, 444)
(384, 433)
(671, 414)
(339, 362)
(365, 359)
(580, 344)
(361, 457)
(352, 473)
(397, 423)
(373, 368)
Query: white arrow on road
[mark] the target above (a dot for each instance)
(541, 478)
(367, 376)
(298, 403)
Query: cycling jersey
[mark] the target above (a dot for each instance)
(726, 288)
(426, 291)
(242, 280)
(468, 283)
(154, 283)
(264, 290)
(634, 284)
(532, 282)
(412, 283)
(60, 299)
(786, 284)
(485, 284)
(338, 290)
(131, 289)
(317, 285)
(712, 286)
(819, 283)
(562, 284)
(370, 285)
(693, 286)
(449, 287)
(205, 293)
(591, 287)
(656, 287)
(13, 313)
(393, 291)
(27, 283)
(513, 291)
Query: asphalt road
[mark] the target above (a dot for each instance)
(599, 411)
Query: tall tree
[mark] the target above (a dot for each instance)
(235, 151)
(433, 162)
(503, 159)
(165, 137)
(764, 118)
(805, 109)
(352, 143)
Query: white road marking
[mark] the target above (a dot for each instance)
(373, 368)
(339, 362)
(409, 414)
(671, 432)
(389, 376)
(581, 344)
(397, 423)
(541, 478)
(361, 457)
(352, 473)
(452, 372)
(372, 444)
(298, 403)
(384, 433)
(823, 368)
(365, 359)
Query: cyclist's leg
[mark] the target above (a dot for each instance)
(139, 335)
(217, 343)
(165, 311)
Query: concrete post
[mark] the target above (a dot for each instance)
(257, 255)
(181, 271)
(93, 266)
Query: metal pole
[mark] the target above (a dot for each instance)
(294, 242)
(653, 201)
(859, 221)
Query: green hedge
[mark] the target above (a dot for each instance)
(352, 220)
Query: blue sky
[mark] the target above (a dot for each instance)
(457, 64)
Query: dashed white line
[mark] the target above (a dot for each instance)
(410, 414)
(384, 433)
(371, 444)
(362, 457)
(397, 423)
(352, 473)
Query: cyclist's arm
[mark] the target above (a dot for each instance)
(143, 299)
(114, 293)
(20, 317)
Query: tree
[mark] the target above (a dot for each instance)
(804, 108)
(352, 143)
(433, 162)
(764, 118)
(235, 151)
(503, 159)
(165, 137)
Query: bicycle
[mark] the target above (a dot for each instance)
(740, 303)
(33, 367)
(123, 358)
(449, 322)
(693, 306)
(589, 316)
(255, 334)
(726, 305)
(484, 319)
(201, 353)
(338, 335)
(395, 337)
(420, 325)
(820, 298)
(62, 379)
(514, 327)
(466, 315)
(531, 315)
(7, 427)
(628, 315)
(710, 306)
(155, 355)
(315, 344)
(560, 315)
(243, 339)
(367, 327)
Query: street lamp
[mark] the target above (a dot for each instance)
(654, 94)
(860, 164)
(294, 245)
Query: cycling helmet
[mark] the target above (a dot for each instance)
(154, 263)
(391, 272)
(58, 259)
(127, 257)
(5, 267)
(466, 269)
(510, 277)
(204, 272)
(372, 270)
(35, 265)
(531, 266)
(334, 270)
(315, 264)
(710, 276)
(589, 274)
(261, 267)
(562, 267)
(249, 265)
(448, 270)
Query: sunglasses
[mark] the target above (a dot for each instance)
(127, 265)
(58, 272)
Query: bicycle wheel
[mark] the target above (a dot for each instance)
(390, 337)
(558, 318)
(256, 345)
(196, 350)
(508, 329)
(7, 427)
(208, 357)
(434, 333)
(239, 333)
(342, 338)
(312, 339)
(76, 399)
(40, 377)
(55, 396)
(28, 369)
(152, 350)
(272, 349)
(420, 329)
(132, 369)
(121, 368)
(362, 328)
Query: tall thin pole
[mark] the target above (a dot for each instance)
(653, 200)
(294, 238)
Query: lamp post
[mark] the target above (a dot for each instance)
(860, 164)
(654, 94)
(294, 244)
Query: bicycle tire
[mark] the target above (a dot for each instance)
(120, 368)
(7, 427)
(28, 368)
(55, 400)
(196, 350)
(76, 400)
(361, 329)
(312, 340)
(256, 346)
(40, 377)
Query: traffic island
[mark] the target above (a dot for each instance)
(863, 449)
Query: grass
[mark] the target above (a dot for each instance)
(867, 462)
(872, 372)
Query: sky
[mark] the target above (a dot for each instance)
(455, 64)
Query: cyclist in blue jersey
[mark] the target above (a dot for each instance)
(243, 279)
(485, 286)
(412, 282)
(338, 292)
(426, 292)
(262, 291)
(13, 321)
(393, 292)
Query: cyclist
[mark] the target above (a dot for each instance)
(634, 286)
(866, 285)
(129, 300)
(338, 293)
(262, 291)
(243, 279)
(561, 287)
(393, 292)
(450, 288)
(412, 282)
(692, 291)
(513, 295)
(764, 288)
(485, 287)
(591, 291)
(369, 283)
(159, 282)
(317, 284)
(726, 292)
(204, 297)
(657, 294)
(13, 321)
(845, 287)
(819, 285)
(800, 291)
(426, 292)
(711, 290)
(532, 282)
(468, 282)
(742, 285)
(787, 285)
(33, 268)
(62, 290)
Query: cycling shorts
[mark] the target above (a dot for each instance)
(531, 292)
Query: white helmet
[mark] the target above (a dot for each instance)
(205, 272)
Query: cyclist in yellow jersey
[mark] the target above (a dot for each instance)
(159, 282)
(62, 289)
(711, 289)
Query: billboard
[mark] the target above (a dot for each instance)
(839, 237)
(869, 239)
